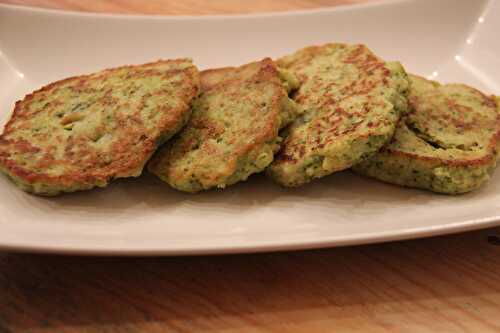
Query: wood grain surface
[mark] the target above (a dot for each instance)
(183, 7)
(443, 284)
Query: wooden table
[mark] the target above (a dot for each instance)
(445, 284)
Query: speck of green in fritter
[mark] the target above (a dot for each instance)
(234, 129)
(446, 143)
(351, 102)
(84, 131)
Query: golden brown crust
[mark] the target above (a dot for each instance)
(236, 119)
(493, 142)
(327, 127)
(81, 163)
(352, 101)
(487, 159)
(447, 143)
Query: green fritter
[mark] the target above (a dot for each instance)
(446, 143)
(84, 131)
(352, 101)
(234, 129)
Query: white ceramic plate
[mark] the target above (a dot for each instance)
(451, 40)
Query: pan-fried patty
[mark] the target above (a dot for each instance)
(84, 131)
(447, 143)
(233, 132)
(352, 101)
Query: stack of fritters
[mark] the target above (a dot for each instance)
(318, 111)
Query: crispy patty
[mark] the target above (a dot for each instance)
(447, 143)
(84, 131)
(352, 101)
(233, 132)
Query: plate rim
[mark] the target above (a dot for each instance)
(275, 246)
(243, 246)
(257, 15)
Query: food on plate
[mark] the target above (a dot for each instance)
(233, 131)
(351, 101)
(347, 108)
(448, 141)
(84, 131)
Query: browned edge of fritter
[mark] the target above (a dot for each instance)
(493, 145)
(268, 72)
(76, 178)
(286, 152)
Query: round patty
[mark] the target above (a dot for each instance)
(84, 131)
(352, 101)
(233, 132)
(448, 142)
